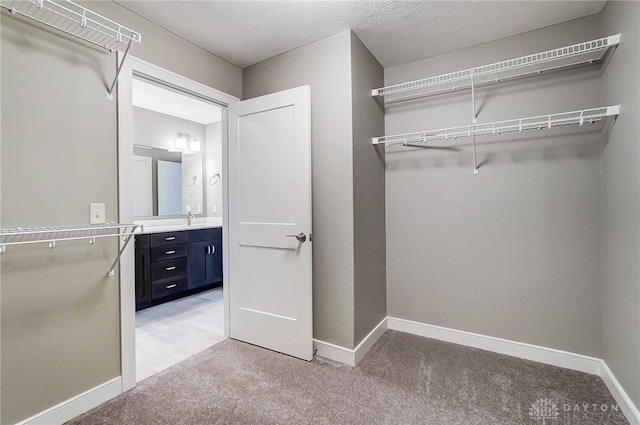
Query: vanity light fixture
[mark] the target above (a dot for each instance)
(187, 143)
(182, 140)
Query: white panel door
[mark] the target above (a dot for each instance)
(270, 220)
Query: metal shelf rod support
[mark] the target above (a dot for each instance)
(118, 71)
(126, 239)
(474, 120)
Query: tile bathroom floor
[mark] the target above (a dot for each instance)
(169, 333)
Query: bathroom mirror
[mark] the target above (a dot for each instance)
(176, 152)
(166, 183)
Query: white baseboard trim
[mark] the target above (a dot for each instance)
(77, 405)
(369, 340)
(522, 350)
(348, 356)
(535, 353)
(621, 396)
(334, 352)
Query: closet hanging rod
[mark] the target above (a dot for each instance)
(542, 122)
(563, 57)
(51, 235)
(80, 22)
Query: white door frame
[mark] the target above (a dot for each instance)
(125, 199)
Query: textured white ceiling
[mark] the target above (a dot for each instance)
(169, 102)
(396, 32)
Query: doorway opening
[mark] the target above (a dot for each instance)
(177, 163)
(171, 178)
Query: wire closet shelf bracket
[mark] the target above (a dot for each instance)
(54, 234)
(80, 22)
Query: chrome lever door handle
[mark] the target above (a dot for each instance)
(301, 237)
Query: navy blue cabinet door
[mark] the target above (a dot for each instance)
(198, 264)
(143, 276)
(205, 263)
(214, 263)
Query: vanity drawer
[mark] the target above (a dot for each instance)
(168, 252)
(168, 268)
(165, 287)
(211, 234)
(168, 238)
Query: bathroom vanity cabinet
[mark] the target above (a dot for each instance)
(171, 265)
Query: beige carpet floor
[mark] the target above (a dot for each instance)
(404, 379)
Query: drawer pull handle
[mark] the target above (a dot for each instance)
(170, 252)
(171, 286)
(170, 238)
(211, 249)
(170, 268)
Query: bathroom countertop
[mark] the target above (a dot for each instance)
(173, 225)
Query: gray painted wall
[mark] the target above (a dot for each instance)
(167, 50)
(620, 193)
(512, 252)
(326, 66)
(158, 130)
(59, 311)
(368, 193)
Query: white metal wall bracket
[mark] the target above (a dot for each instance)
(118, 70)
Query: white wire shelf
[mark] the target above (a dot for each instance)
(77, 21)
(54, 234)
(497, 128)
(564, 57)
(73, 19)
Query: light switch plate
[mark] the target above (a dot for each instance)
(214, 208)
(97, 214)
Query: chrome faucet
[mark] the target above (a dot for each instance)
(189, 217)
